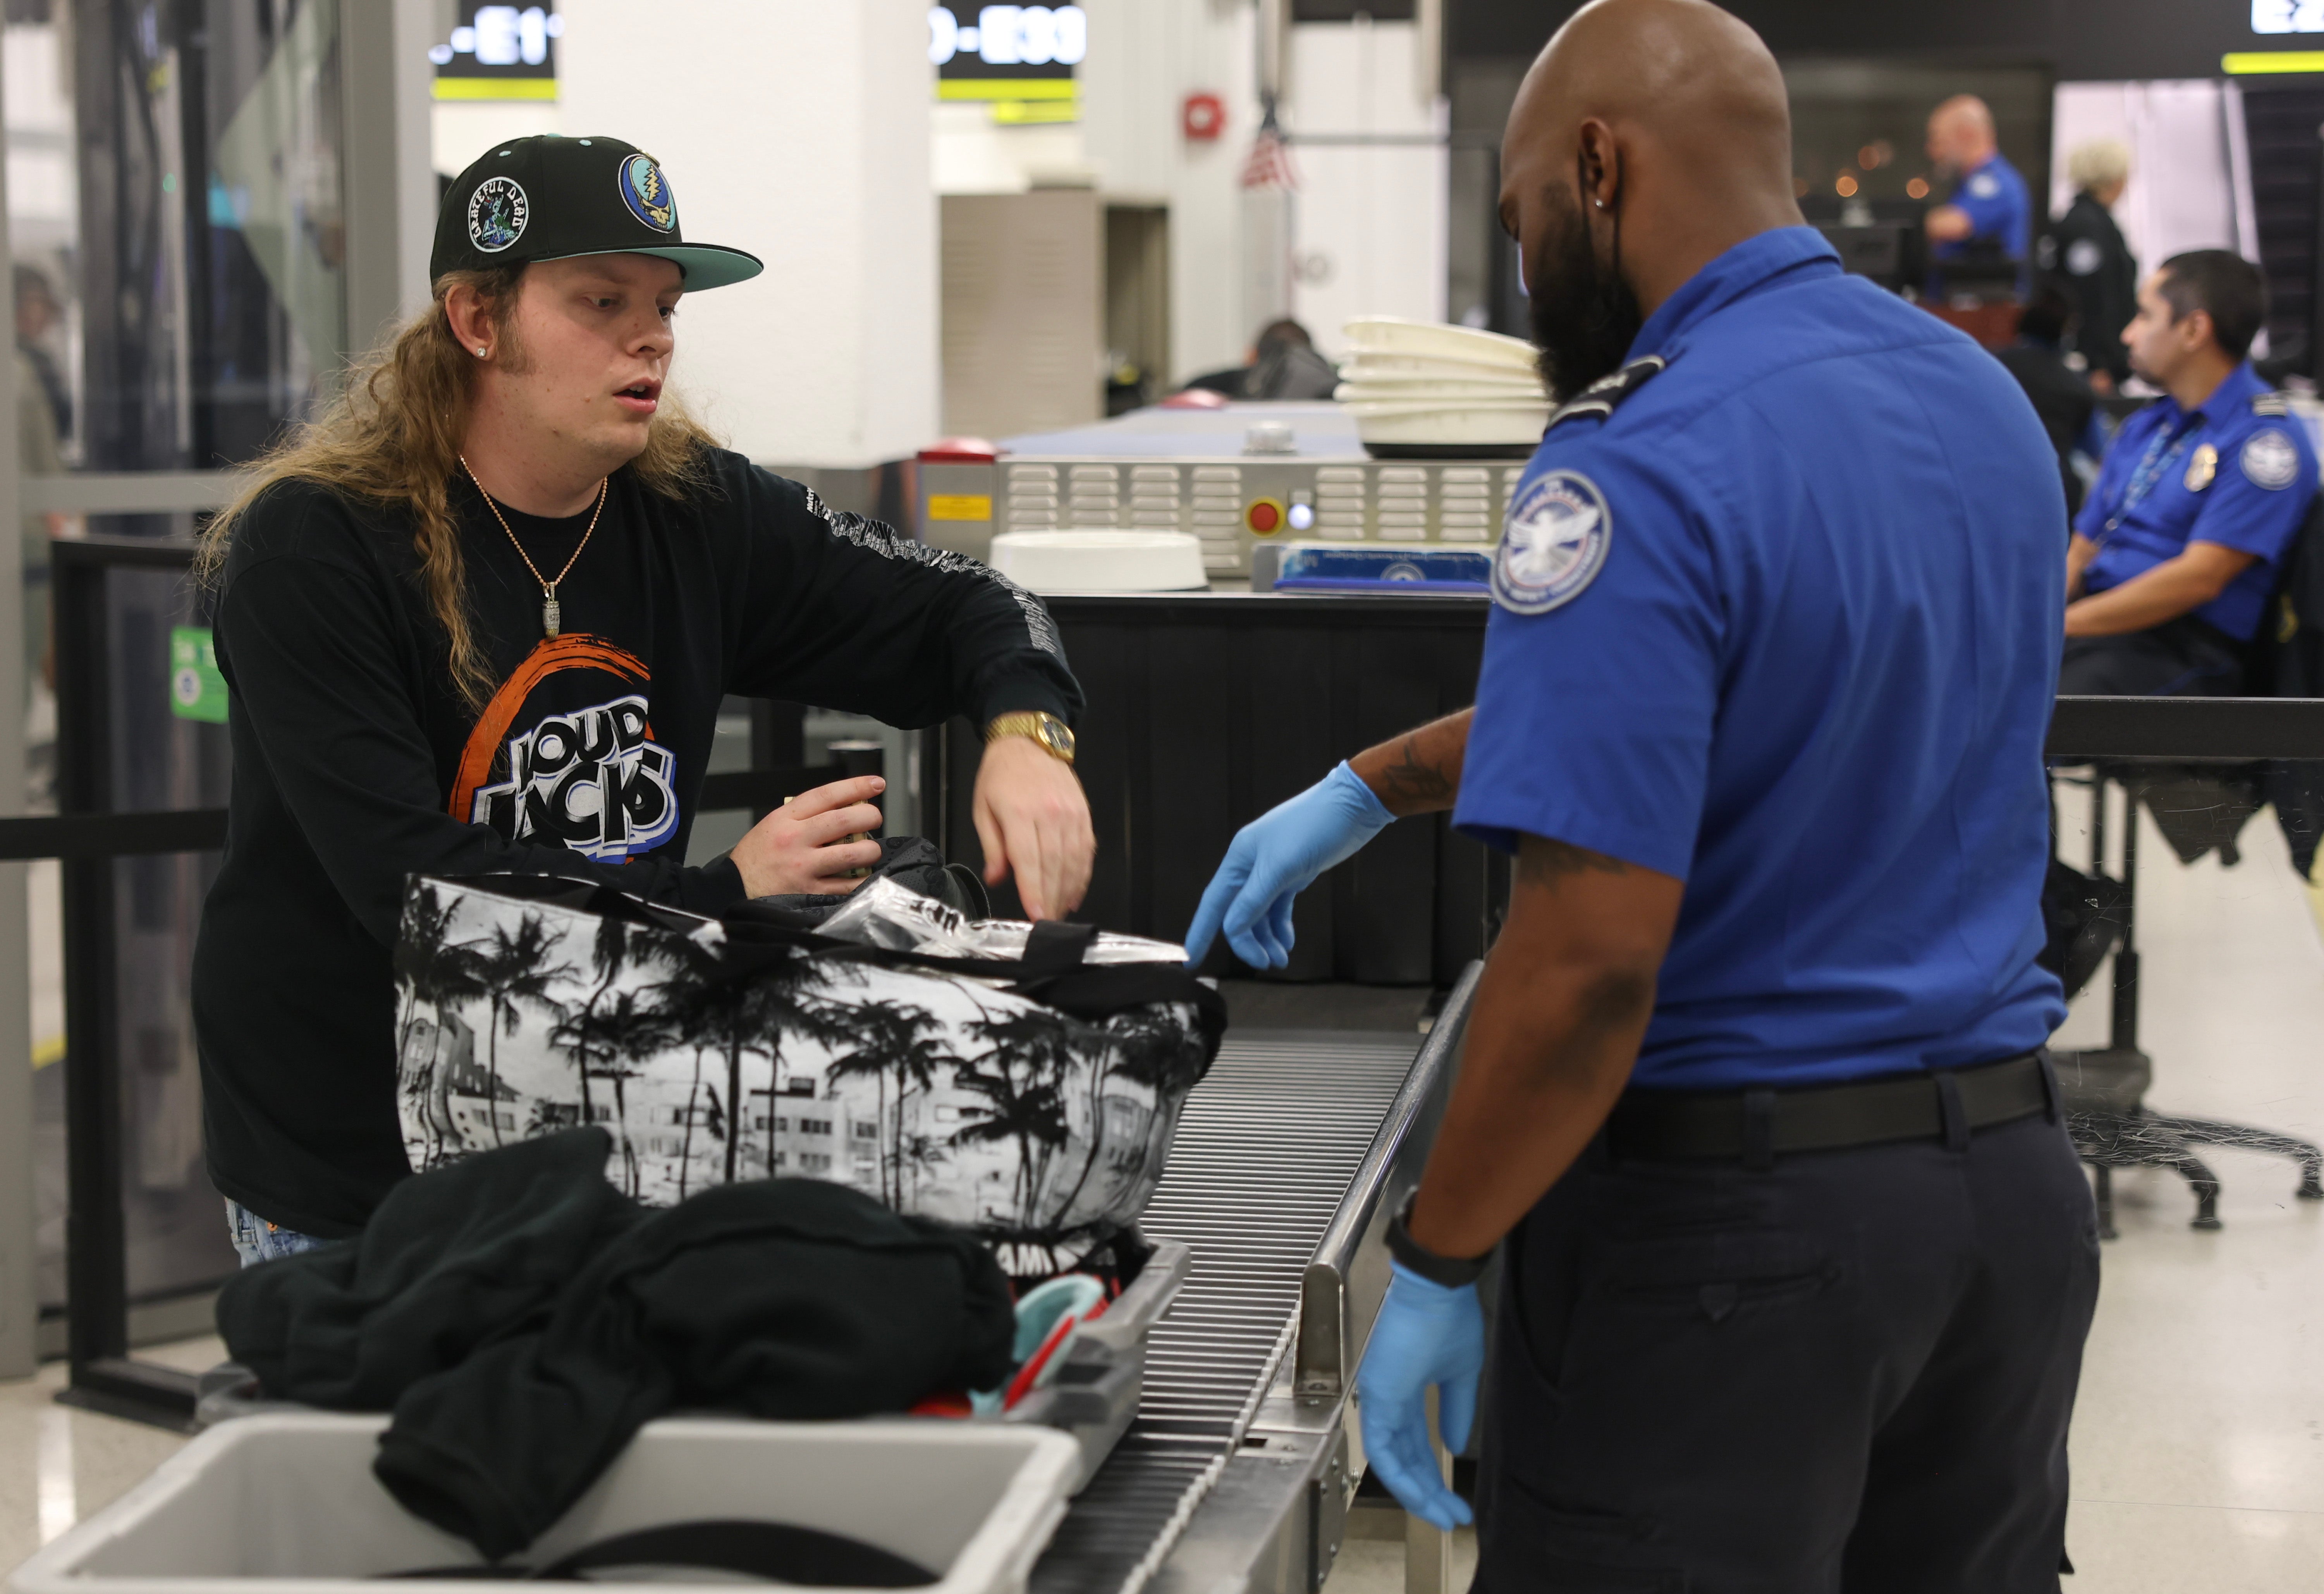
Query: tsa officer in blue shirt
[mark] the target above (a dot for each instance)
(2198, 502)
(1989, 204)
(1798, 1258)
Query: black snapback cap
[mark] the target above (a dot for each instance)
(552, 197)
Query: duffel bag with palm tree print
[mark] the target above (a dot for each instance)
(1031, 1098)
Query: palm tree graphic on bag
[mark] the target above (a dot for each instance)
(443, 974)
(1023, 1104)
(514, 970)
(712, 1054)
(902, 1042)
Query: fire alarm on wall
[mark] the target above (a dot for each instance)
(1202, 117)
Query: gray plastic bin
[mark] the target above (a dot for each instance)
(285, 1503)
(1101, 1368)
(1092, 1394)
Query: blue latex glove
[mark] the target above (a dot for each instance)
(1276, 857)
(1426, 1335)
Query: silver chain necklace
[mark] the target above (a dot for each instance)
(552, 611)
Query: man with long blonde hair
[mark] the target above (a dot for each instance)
(479, 618)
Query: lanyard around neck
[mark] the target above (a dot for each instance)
(2152, 465)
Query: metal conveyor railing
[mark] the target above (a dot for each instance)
(1236, 1472)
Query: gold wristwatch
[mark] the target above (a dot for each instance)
(1051, 735)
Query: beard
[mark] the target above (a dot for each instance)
(1584, 318)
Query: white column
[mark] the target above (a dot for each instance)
(1371, 226)
(19, 1279)
(1145, 57)
(797, 130)
(385, 111)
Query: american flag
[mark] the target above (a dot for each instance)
(1270, 165)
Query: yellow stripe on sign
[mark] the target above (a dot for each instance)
(1013, 112)
(2243, 63)
(1005, 87)
(495, 88)
(960, 506)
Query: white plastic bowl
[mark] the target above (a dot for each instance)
(1440, 427)
(1094, 560)
(1393, 335)
(1360, 407)
(1427, 390)
(1374, 365)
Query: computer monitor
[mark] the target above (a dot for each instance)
(1983, 271)
(1889, 250)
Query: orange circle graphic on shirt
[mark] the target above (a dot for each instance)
(578, 651)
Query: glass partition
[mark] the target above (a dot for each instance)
(175, 212)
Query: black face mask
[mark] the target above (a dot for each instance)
(1584, 320)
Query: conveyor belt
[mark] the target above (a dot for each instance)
(1263, 1154)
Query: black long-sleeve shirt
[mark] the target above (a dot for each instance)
(357, 765)
(2084, 253)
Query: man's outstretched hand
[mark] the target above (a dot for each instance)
(1034, 821)
(1276, 857)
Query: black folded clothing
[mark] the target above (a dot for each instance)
(524, 1319)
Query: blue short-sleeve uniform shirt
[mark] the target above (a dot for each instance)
(1785, 626)
(1994, 198)
(2238, 469)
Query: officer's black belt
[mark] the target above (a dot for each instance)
(1758, 1125)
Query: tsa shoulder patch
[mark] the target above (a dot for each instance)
(2269, 460)
(1553, 545)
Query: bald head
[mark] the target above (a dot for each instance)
(1682, 75)
(1960, 133)
(1649, 138)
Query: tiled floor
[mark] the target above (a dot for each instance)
(2199, 1443)
(1376, 1566)
(2198, 1439)
(58, 1465)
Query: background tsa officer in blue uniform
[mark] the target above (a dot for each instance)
(2198, 502)
(1990, 211)
(1799, 1259)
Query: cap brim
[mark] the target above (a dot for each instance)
(705, 265)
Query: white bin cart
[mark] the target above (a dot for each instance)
(286, 1504)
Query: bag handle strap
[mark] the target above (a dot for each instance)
(779, 1552)
(1052, 950)
(1055, 947)
(605, 901)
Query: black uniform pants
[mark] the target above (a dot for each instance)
(1851, 1372)
(2181, 657)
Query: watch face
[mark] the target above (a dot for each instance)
(1057, 737)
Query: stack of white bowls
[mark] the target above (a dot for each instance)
(1422, 385)
(1094, 560)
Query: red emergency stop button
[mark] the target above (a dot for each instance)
(1264, 516)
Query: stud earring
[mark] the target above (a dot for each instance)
(479, 347)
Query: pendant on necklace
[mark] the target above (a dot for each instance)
(551, 613)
